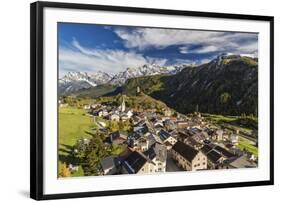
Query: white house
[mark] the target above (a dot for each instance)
(219, 135)
(166, 137)
(94, 106)
(167, 112)
(114, 117)
(141, 145)
(150, 161)
(103, 113)
(234, 139)
(87, 107)
(158, 155)
(129, 113)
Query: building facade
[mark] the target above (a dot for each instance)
(188, 158)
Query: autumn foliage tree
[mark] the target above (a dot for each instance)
(65, 172)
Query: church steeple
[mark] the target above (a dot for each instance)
(123, 105)
(138, 90)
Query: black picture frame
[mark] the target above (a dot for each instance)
(36, 98)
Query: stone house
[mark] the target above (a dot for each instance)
(188, 158)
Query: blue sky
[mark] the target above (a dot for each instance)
(92, 48)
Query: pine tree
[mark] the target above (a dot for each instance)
(96, 151)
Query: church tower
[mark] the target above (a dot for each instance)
(123, 105)
(138, 90)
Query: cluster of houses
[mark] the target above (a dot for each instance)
(158, 140)
(110, 112)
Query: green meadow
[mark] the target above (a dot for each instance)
(245, 144)
(73, 124)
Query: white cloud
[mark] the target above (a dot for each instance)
(204, 61)
(145, 37)
(192, 62)
(183, 49)
(207, 49)
(184, 61)
(235, 48)
(158, 61)
(209, 41)
(250, 48)
(79, 58)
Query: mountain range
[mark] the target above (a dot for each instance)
(75, 81)
(225, 85)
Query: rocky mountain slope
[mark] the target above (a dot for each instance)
(226, 85)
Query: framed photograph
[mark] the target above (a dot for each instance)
(136, 100)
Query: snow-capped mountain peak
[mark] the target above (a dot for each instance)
(145, 70)
(74, 81)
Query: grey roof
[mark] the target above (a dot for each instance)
(185, 150)
(242, 162)
(194, 131)
(108, 162)
(192, 142)
(224, 152)
(134, 162)
(150, 153)
(164, 135)
(206, 149)
(213, 156)
(156, 150)
(151, 140)
(141, 129)
(113, 136)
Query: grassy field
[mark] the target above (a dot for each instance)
(247, 145)
(234, 122)
(73, 124)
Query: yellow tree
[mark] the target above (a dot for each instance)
(113, 126)
(65, 172)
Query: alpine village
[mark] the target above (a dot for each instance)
(156, 119)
